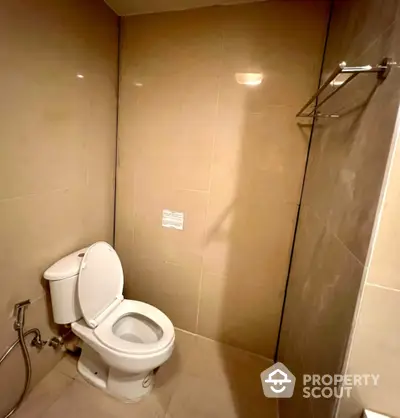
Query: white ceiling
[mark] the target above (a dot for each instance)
(137, 7)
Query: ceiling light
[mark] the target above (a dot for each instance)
(249, 79)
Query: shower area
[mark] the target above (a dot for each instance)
(185, 135)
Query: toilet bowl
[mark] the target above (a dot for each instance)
(124, 341)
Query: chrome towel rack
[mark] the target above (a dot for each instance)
(382, 70)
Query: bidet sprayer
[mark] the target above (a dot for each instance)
(19, 310)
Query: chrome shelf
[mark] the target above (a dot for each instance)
(382, 70)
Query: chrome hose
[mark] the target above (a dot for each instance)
(28, 367)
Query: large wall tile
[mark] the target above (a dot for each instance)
(249, 235)
(152, 239)
(346, 168)
(39, 230)
(187, 42)
(234, 308)
(345, 171)
(177, 288)
(270, 145)
(320, 303)
(230, 156)
(356, 25)
(57, 156)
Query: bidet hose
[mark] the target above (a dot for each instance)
(27, 362)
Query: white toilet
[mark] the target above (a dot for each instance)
(124, 340)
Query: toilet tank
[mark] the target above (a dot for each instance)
(63, 280)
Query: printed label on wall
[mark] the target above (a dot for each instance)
(171, 219)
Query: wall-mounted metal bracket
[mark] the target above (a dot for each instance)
(382, 70)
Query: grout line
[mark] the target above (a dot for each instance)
(199, 290)
(116, 160)
(379, 37)
(329, 230)
(194, 190)
(242, 350)
(111, 8)
(379, 286)
(188, 9)
(210, 175)
(348, 250)
(39, 193)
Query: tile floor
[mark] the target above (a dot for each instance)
(202, 379)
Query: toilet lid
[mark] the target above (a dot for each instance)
(100, 282)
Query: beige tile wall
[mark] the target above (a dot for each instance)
(231, 157)
(344, 177)
(57, 151)
(375, 342)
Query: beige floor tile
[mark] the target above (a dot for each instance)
(233, 371)
(43, 395)
(201, 379)
(198, 397)
(83, 400)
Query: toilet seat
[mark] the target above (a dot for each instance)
(100, 286)
(105, 334)
(100, 283)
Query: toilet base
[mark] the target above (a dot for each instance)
(126, 387)
(92, 368)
